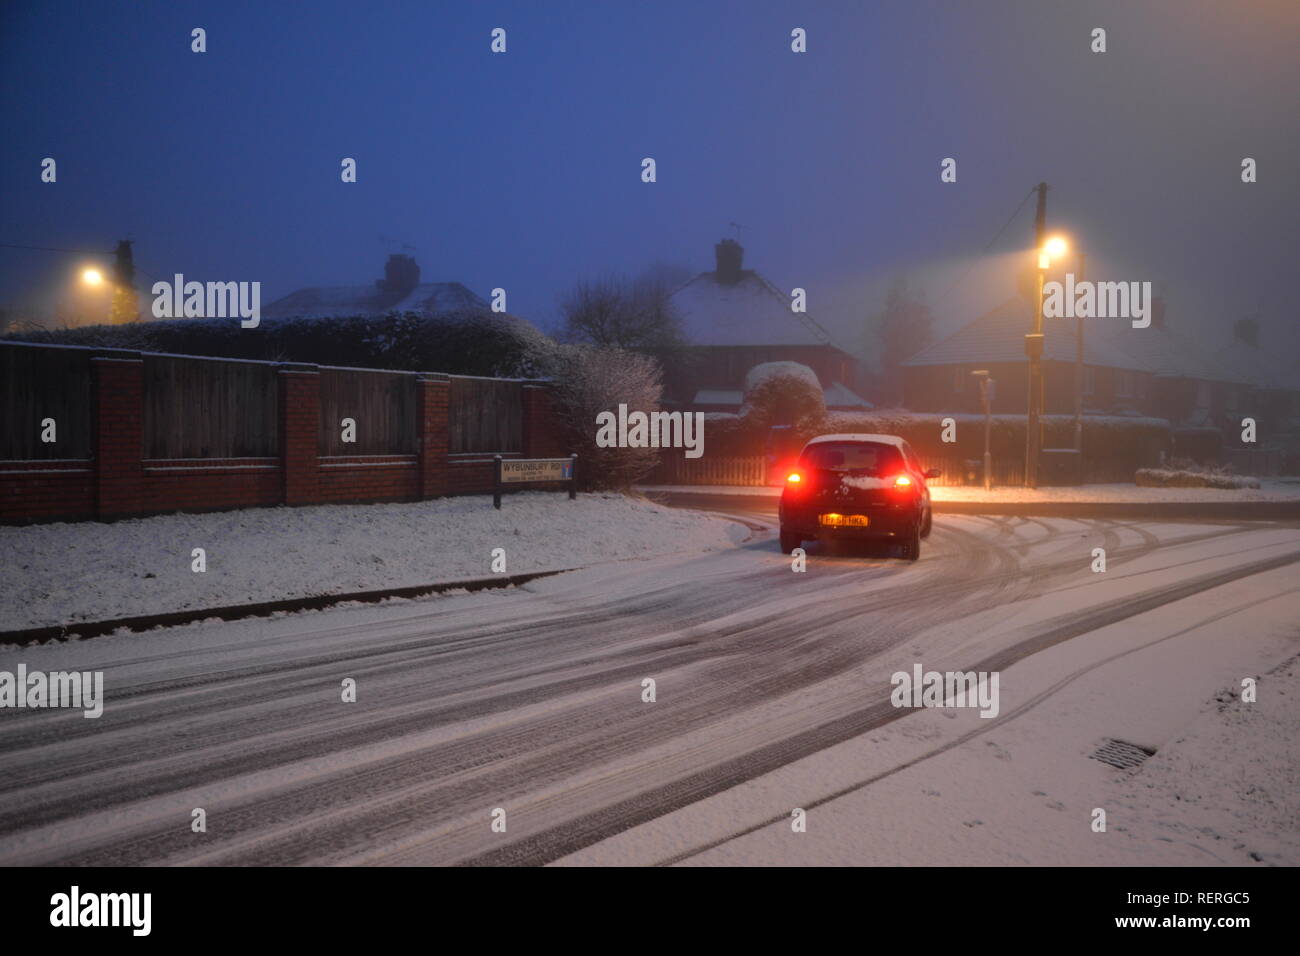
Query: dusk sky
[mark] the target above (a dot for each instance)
(522, 169)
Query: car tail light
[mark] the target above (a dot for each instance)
(793, 478)
(902, 481)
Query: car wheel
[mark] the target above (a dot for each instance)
(929, 521)
(789, 542)
(912, 544)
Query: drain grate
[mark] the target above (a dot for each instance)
(1121, 754)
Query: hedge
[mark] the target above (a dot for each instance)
(463, 343)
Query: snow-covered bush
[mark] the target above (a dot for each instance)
(725, 436)
(588, 380)
(783, 393)
(1167, 478)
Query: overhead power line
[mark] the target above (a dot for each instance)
(88, 252)
(988, 245)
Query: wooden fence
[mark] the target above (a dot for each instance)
(382, 404)
(40, 384)
(1260, 462)
(674, 469)
(206, 408)
(484, 415)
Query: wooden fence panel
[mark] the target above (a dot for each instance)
(204, 408)
(383, 405)
(36, 384)
(674, 469)
(485, 415)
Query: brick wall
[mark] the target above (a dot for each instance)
(46, 490)
(119, 434)
(117, 481)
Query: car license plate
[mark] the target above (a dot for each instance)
(845, 521)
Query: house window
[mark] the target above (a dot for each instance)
(1124, 385)
(1089, 380)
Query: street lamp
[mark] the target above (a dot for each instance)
(1053, 248)
(117, 282)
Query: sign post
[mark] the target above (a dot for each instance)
(531, 471)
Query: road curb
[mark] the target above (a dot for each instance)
(1285, 510)
(1242, 510)
(144, 622)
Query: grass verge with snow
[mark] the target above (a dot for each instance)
(88, 571)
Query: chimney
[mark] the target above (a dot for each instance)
(1246, 330)
(401, 276)
(730, 254)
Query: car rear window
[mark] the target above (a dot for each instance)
(860, 457)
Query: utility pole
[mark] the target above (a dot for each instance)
(1078, 371)
(1034, 347)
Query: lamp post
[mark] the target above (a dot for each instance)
(1078, 373)
(986, 399)
(1034, 346)
(1048, 250)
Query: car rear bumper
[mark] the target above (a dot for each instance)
(883, 522)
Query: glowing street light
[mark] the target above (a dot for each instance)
(93, 277)
(1054, 248)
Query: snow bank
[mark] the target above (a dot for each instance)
(1281, 489)
(1114, 493)
(55, 573)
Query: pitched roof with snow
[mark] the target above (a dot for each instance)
(428, 298)
(751, 311)
(999, 336)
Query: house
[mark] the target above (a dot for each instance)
(1273, 374)
(399, 291)
(1154, 371)
(733, 319)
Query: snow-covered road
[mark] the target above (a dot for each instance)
(530, 700)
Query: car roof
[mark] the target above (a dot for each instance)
(858, 437)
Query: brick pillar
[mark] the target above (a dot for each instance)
(119, 434)
(434, 440)
(542, 437)
(300, 433)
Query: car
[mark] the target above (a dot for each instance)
(857, 487)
